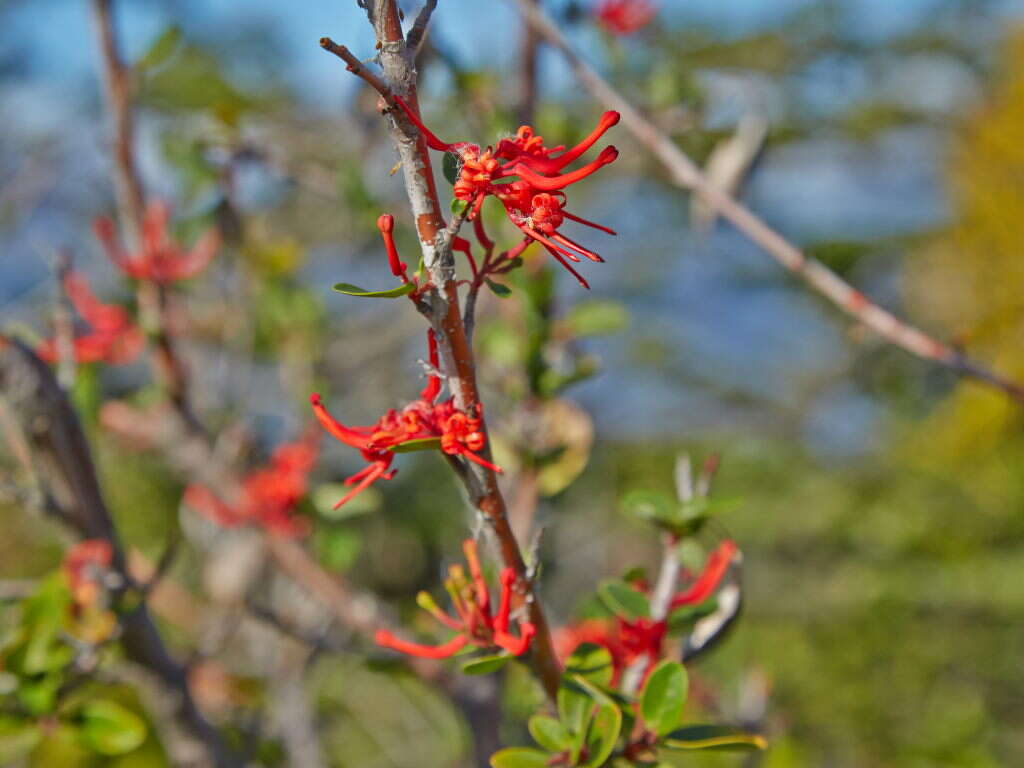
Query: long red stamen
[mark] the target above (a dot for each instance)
(715, 569)
(588, 222)
(558, 257)
(516, 646)
(483, 598)
(479, 460)
(555, 164)
(552, 183)
(481, 235)
(453, 646)
(551, 246)
(338, 430)
(560, 238)
(196, 260)
(371, 477)
(508, 579)
(432, 141)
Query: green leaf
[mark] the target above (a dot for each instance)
(420, 444)
(499, 290)
(110, 729)
(623, 600)
(392, 293)
(720, 737)
(604, 727)
(592, 662)
(597, 318)
(451, 166)
(686, 615)
(161, 50)
(17, 739)
(664, 697)
(549, 733)
(484, 665)
(520, 757)
(651, 506)
(458, 206)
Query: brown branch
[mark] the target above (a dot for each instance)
(397, 60)
(153, 299)
(61, 455)
(528, 49)
(684, 173)
(419, 27)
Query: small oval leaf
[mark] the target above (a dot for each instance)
(549, 733)
(719, 737)
(484, 665)
(520, 757)
(110, 729)
(664, 697)
(391, 293)
(499, 290)
(623, 600)
(420, 444)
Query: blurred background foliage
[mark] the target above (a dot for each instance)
(881, 513)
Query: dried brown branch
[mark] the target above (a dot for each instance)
(61, 457)
(419, 27)
(685, 173)
(153, 299)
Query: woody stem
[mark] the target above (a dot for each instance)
(397, 61)
(152, 298)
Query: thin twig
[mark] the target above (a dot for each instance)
(419, 28)
(684, 173)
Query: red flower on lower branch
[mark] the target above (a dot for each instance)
(112, 336)
(267, 497)
(629, 639)
(474, 620)
(420, 425)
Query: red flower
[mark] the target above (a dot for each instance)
(159, 258)
(628, 639)
(475, 623)
(267, 497)
(624, 17)
(440, 425)
(84, 564)
(526, 177)
(112, 337)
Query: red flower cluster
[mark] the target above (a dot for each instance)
(267, 497)
(526, 177)
(84, 564)
(422, 424)
(112, 337)
(475, 623)
(624, 17)
(159, 259)
(628, 639)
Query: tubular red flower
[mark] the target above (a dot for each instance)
(112, 337)
(552, 183)
(386, 225)
(476, 625)
(159, 258)
(714, 570)
(624, 17)
(444, 651)
(267, 497)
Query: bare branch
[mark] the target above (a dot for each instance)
(684, 173)
(419, 28)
